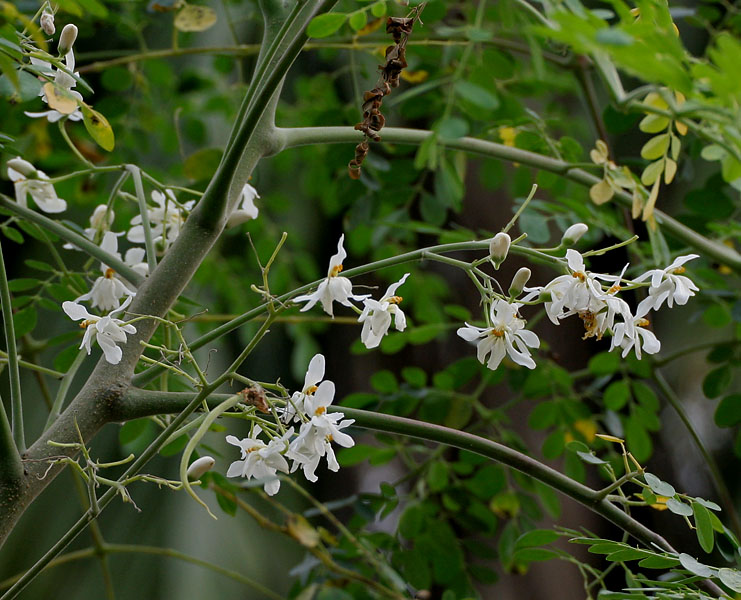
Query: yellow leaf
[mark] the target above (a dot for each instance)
(601, 192)
(637, 206)
(648, 209)
(653, 123)
(508, 135)
(302, 531)
(656, 146)
(609, 438)
(655, 100)
(371, 27)
(98, 127)
(670, 170)
(195, 18)
(414, 76)
(660, 503)
(587, 428)
(60, 99)
(681, 128)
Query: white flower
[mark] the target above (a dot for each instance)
(108, 330)
(507, 330)
(297, 405)
(376, 315)
(668, 285)
(260, 460)
(166, 219)
(247, 210)
(100, 222)
(570, 293)
(573, 234)
(61, 80)
(333, 287)
(136, 258)
(108, 289)
(499, 248)
(67, 38)
(633, 334)
(315, 436)
(41, 190)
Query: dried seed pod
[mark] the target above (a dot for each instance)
(255, 396)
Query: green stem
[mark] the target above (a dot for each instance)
(16, 401)
(32, 366)
(73, 238)
(144, 212)
(11, 468)
(64, 386)
(75, 151)
(719, 483)
(316, 135)
(666, 359)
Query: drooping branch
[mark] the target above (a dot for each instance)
(329, 135)
(138, 403)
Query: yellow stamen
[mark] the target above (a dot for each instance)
(336, 270)
(85, 323)
(614, 289)
(320, 411)
(394, 300)
(310, 390)
(643, 323)
(496, 332)
(579, 275)
(253, 449)
(109, 273)
(679, 270)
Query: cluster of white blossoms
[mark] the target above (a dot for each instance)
(376, 316)
(594, 297)
(305, 449)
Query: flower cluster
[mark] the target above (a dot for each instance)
(318, 429)
(376, 316)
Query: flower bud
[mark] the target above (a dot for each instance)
(499, 248)
(200, 466)
(47, 23)
(24, 167)
(518, 282)
(67, 39)
(573, 234)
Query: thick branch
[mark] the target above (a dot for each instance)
(327, 135)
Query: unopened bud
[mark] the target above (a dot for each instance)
(200, 466)
(573, 234)
(518, 282)
(67, 39)
(47, 23)
(24, 167)
(499, 248)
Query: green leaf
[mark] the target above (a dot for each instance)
(20, 285)
(98, 127)
(717, 381)
(639, 442)
(24, 321)
(604, 363)
(616, 395)
(536, 537)
(658, 487)
(411, 521)
(437, 476)
(175, 446)
(451, 128)
(695, 567)
(730, 578)
(12, 234)
(656, 147)
(131, 430)
(358, 19)
(39, 266)
(475, 94)
(325, 25)
(717, 315)
(658, 562)
(228, 505)
(202, 164)
(347, 457)
(527, 555)
(728, 413)
(653, 123)
(678, 507)
(194, 17)
(414, 376)
(704, 527)
(384, 382)
(378, 9)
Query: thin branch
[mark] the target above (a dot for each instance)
(16, 401)
(73, 238)
(136, 175)
(317, 135)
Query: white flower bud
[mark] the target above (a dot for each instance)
(573, 234)
(47, 23)
(24, 167)
(67, 39)
(200, 466)
(518, 282)
(499, 248)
